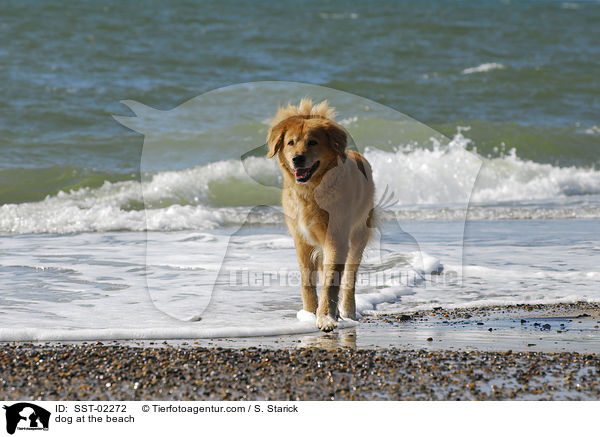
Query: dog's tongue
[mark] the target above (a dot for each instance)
(301, 172)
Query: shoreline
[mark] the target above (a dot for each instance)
(559, 327)
(337, 367)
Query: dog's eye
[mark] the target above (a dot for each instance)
(312, 143)
(290, 142)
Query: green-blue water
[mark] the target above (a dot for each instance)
(65, 66)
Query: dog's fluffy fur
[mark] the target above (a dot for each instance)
(328, 204)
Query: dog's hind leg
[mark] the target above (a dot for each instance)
(358, 242)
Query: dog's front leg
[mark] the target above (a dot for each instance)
(308, 274)
(334, 256)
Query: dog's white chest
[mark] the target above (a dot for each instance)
(303, 226)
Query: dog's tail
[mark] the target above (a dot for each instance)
(381, 209)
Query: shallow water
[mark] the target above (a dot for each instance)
(108, 286)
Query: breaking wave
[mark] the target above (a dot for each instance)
(435, 182)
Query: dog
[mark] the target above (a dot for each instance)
(328, 201)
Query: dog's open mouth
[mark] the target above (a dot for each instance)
(304, 174)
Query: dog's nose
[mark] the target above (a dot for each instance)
(298, 160)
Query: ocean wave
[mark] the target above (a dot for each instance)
(338, 15)
(511, 178)
(594, 130)
(428, 183)
(440, 175)
(484, 68)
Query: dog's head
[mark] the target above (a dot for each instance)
(306, 140)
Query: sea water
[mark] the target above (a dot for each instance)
(171, 227)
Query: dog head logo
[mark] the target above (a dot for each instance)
(26, 416)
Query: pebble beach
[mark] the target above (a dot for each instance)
(193, 370)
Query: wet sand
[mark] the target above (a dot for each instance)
(568, 327)
(535, 352)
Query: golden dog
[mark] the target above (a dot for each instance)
(328, 204)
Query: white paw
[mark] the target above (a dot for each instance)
(326, 323)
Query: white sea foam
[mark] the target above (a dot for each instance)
(511, 178)
(163, 333)
(103, 296)
(128, 285)
(594, 130)
(338, 15)
(484, 68)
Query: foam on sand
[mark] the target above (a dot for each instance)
(305, 324)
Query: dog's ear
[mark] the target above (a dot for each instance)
(337, 138)
(275, 138)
